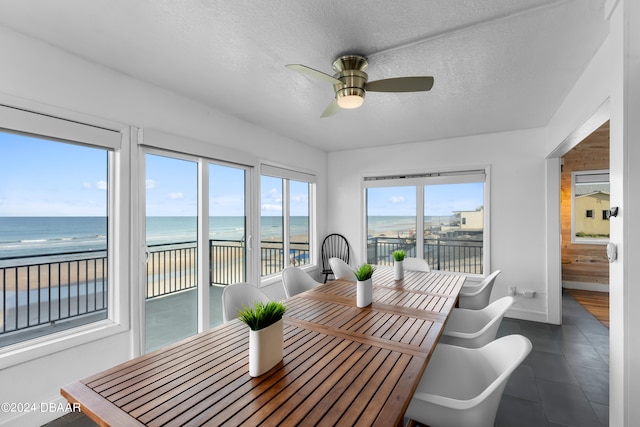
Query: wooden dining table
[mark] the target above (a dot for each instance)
(342, 365)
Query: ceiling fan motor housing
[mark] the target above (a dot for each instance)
(350, 71)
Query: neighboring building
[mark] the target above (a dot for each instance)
(591, 211)
(471, 220)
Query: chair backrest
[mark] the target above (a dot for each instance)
(296, 281)
(341, 270)
(440, 400)
(416, 264)
(237, 296)
(477, 297)
(475, 328)
(334, 246)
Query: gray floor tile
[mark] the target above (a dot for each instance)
(602, 412)
(520, 413)
(551, 366)
(583, 355)
(594, 383)
(566, 404)
(522, 384)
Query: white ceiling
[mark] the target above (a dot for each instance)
(498, 65)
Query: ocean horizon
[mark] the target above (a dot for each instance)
(28, 236)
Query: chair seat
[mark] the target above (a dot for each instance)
(296, 281)
(475, 328)
(463, 386)
(477, 297)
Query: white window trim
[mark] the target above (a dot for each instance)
(421, 178)
(598, 175)
(118, 321)
(286, 173)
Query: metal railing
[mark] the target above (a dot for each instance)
(446, 254)
(44, 289)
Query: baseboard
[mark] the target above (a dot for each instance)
(524, 314)
(597, 287)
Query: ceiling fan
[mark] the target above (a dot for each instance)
(351, 82)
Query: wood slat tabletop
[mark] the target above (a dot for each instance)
(342, 365)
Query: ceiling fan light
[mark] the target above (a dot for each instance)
(350, 98)
(350, 101)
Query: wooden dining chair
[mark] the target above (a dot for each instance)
(333, 246)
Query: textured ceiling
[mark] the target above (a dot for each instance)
(498, 65)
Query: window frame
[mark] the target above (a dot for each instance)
(287, 175)
(115, 140)
(420, 179)
(597, 176)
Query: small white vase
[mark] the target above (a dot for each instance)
(265, 348)
(398, 270)
(364, 291)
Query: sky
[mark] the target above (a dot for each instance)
(45, 178)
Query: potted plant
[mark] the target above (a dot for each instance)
(398, 264)
(265, 335)
(364, 285)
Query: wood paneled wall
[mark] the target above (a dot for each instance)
(583, 262)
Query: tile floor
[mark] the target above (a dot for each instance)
(563, 382)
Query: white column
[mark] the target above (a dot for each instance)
(624, 361)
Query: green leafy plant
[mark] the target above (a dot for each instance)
(399, 255)
(262, 315)
(364, 272)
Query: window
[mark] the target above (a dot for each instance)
(286, 219)
(590, 195)
(450, 209)
(54, 234)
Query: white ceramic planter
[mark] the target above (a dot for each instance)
(398, 270)
(364, 291)
(265, 348)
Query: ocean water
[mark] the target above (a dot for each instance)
(24, 236)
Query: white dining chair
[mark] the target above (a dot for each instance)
(296, 281)
(341, 270)
(476, 297)
(463, 386)
(416, 264)
(237, 296)
(475, 328)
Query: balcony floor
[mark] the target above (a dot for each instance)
(564, 381)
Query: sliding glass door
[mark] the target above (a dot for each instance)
(227, 232)
(197, 236)
(171, 217)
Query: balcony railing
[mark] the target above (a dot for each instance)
(456, 255)
(46, 289)
(41, 290)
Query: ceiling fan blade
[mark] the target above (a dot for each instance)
(303, 69)
(331, 109)
(401, 84)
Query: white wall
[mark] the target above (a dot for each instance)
(38, 77)
(517, 161)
